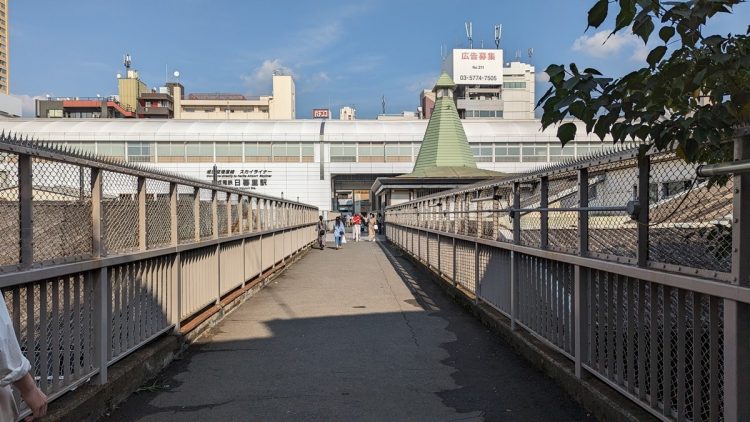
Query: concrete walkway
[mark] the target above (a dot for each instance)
(348, 335)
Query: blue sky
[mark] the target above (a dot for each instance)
(341, 53)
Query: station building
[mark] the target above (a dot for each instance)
(331, 164)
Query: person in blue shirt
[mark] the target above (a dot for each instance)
(338, 231)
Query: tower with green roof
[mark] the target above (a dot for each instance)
(445, 151)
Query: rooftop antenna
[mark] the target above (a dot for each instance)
(518, 55)
(126, 60)
(469, 33)
(531, 53)
(177, 75)
(382, 103)
(498, 34)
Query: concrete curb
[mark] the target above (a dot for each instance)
(91, 401)
(598, 398)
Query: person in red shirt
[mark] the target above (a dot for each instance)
(357, 220)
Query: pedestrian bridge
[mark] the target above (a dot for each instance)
(634, 309)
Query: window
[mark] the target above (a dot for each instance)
(588, 148)
(111, 149)
(371, 153)
(170, 152)
(286, 152)
(482, 153)
(558, 153)
(398, 153)
(84, 147)
(514, 85)
(199, 152)
(140, 152)
(55, 113)
(507, 153)
(534, 153)
(343, 153)
(257, 152)
(229, 152)
(308, 152)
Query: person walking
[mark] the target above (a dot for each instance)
(357, 220)
(321, 227)
(14, 370)
(339, 231)
(372, 227)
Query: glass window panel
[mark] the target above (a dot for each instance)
(308, 150)
(111, 149)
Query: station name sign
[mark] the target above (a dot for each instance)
(477, 66)
(240, 177)
(321, 113)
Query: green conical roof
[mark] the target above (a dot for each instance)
(444, 81)
(444, 143)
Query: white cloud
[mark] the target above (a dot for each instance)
(601, 44)
(541, 77)
(28, 103)
(259, 81)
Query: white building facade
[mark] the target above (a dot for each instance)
(330, 164)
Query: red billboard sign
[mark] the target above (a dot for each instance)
(321, 113)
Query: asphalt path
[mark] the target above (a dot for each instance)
(350, 334)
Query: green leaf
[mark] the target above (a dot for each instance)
(598, 13)
(626, 15)
(656, 55)
(643, 27)
(566, 132)
(592, 71)
(666, 33)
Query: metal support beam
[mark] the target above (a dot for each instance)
(174, 236)
(97, 241)
(737, 314)
(583, 217)
(644, 174)
(142, 214)
(544, 214)
(25, 198)
(197, 213)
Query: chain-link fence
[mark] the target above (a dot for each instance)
(9, 251)
(540, 249)
(59, 207)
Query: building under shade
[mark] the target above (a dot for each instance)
(445, 160)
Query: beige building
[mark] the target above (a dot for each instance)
(347, 113)
(280, 105)
(4, 45)
(130, 87)
(518, 91)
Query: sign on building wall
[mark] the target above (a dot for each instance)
(321, 113)
(241, 178)
(476, 66)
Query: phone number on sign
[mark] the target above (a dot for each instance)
(477, 78)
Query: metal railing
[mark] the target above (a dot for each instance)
(643, 287)
(100, 257)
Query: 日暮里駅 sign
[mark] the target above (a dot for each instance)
(477, 66)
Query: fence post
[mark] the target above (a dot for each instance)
(197, 213)
(229, 213)
(544, 215)
(583, 216)
(102, 300)
(514, 261)
(142, 239)
(25, 198)
(644, 173)
(174, 309)
(737, 314)
(215, 235)
(581, 278)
